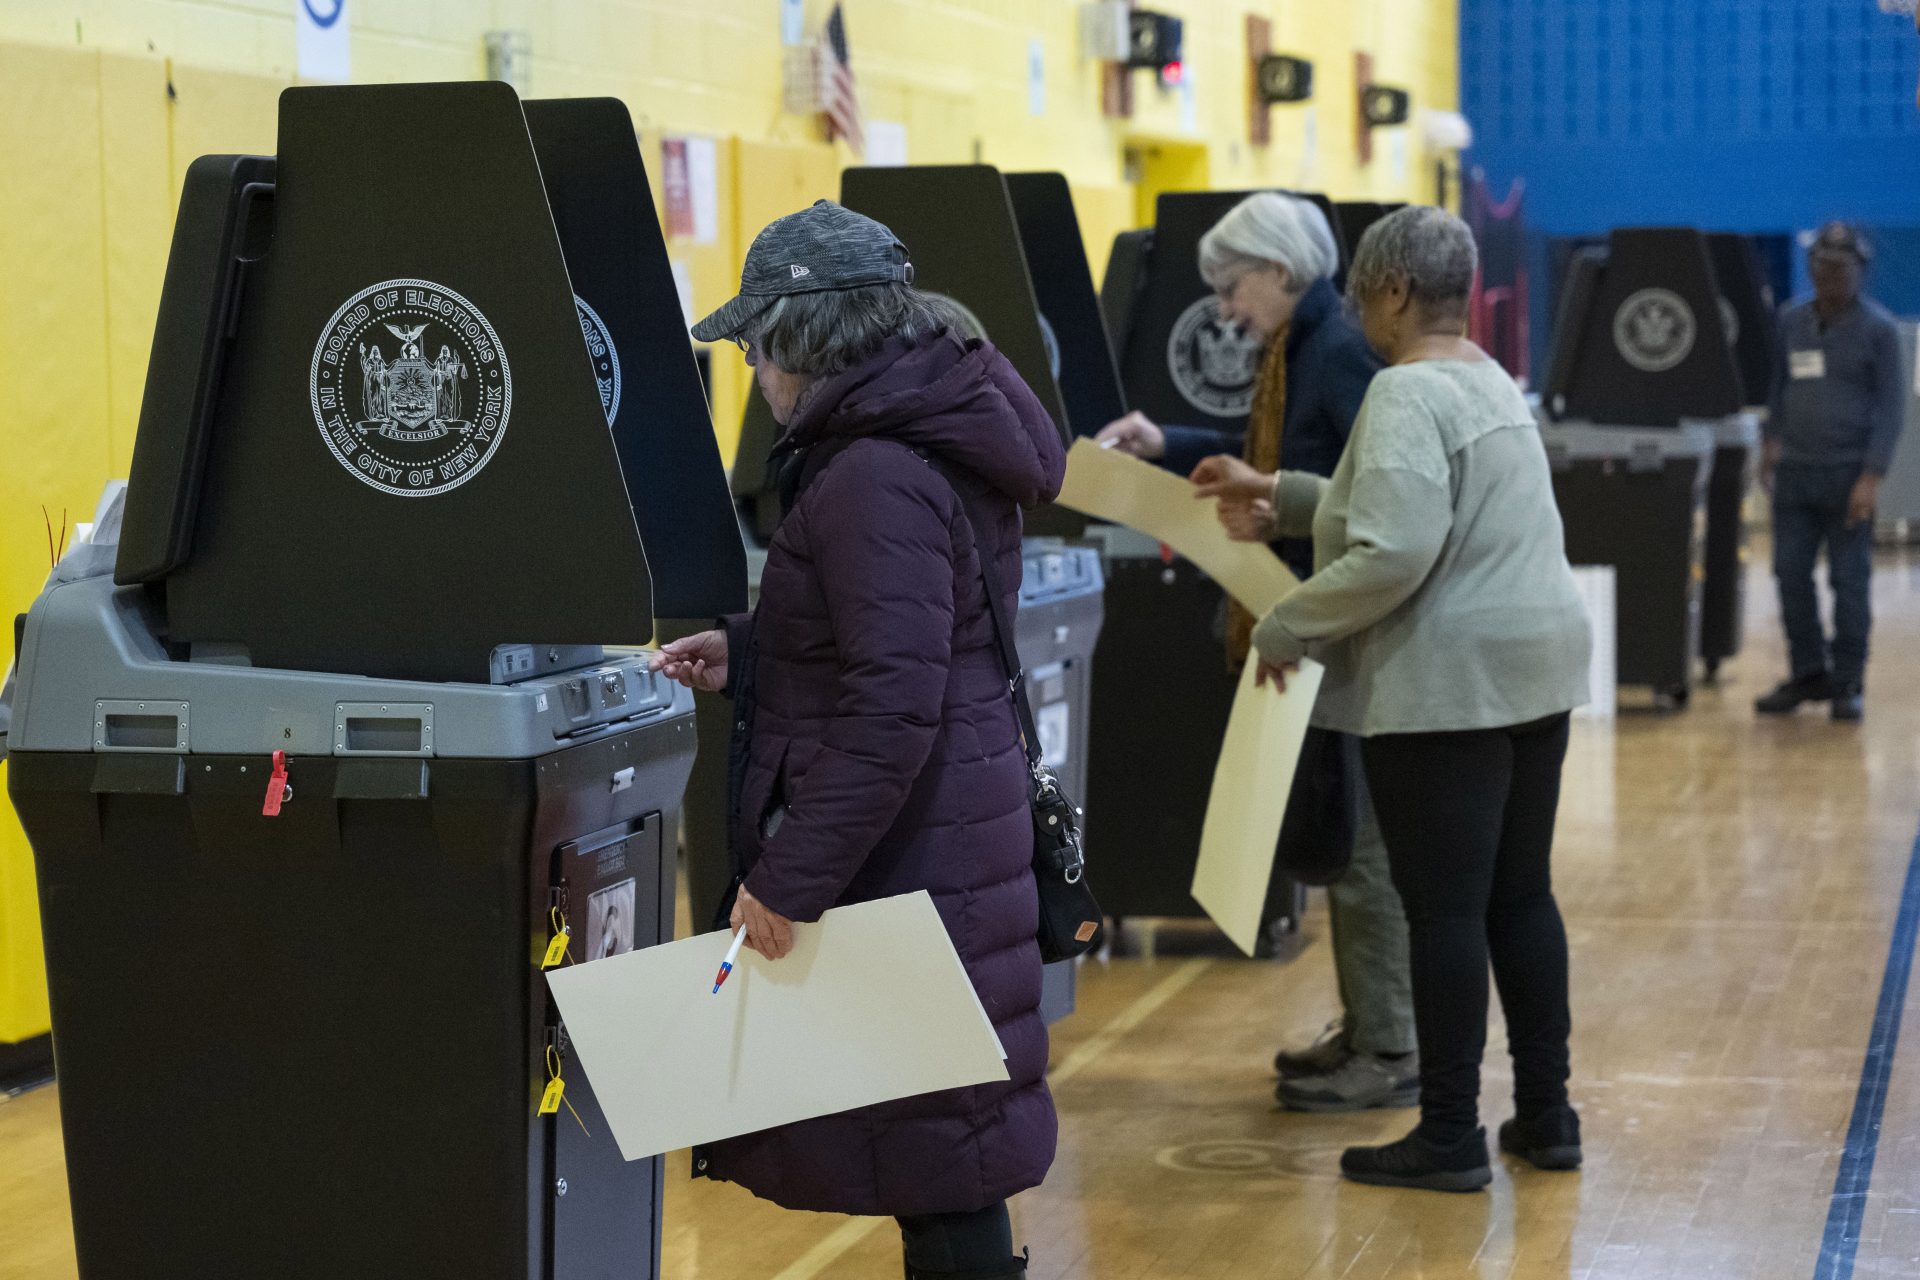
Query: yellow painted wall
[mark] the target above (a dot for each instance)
(104, 103)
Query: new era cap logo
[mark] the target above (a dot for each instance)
(799, 271)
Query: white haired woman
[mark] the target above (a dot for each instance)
(1455, 645)
(1270, 261)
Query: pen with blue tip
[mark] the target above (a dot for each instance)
(733, 953)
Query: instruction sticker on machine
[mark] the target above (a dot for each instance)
(610, 921)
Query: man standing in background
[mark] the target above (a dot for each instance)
(1835, 417)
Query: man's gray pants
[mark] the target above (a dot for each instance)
(1370, 943)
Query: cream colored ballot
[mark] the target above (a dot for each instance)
(1121, 488)
(1250, 789)
(872, 1004)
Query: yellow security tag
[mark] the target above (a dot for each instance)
(550, 1100)
(556, 951)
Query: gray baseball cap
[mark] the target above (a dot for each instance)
(821, 248)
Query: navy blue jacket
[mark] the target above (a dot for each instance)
(1839, 391)
(1329, 366)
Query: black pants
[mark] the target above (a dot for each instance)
(958, 1242)
(1468, 820)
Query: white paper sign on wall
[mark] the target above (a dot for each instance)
(703, 180)
(793, 22)
(1036, 78)
(321, 40)
(1397, 156)
(886, 143)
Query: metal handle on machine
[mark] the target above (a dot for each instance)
(383, 729)
(123, 724)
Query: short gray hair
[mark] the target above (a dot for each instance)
(1429, 248)
(827, 332)
(1270, 227)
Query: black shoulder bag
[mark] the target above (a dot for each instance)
(1071, 922)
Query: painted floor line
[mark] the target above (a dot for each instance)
(1841, 1242)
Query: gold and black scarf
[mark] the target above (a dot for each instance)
(1265, 423)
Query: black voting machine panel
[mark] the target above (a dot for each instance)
(1355, 217)
(1747, 309)
(617, 256)
(1660, 327)
(1650, 346)
(481, 510)
(378, 450)
(1123, 283)
(958, 224)
(1056, 257)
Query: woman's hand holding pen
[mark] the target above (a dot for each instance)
(768, 932)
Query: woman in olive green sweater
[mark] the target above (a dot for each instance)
(1455, 645)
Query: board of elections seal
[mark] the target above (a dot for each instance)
(606, 360)
(1213, 361)
(1654, 330)
(410, 388)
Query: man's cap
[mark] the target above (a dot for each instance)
(1840, 237)
(819, 249)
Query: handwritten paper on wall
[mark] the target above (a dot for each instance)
(1118, 487)
(871, 1005)
(1250, 789)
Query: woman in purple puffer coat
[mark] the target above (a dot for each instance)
(875, 750)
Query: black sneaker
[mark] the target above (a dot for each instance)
(1415, 1162)
(1787, 697)
(1849, 704)
(1550, 1140)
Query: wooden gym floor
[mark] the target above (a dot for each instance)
(1730, 889)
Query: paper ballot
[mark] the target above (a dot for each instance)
(871, 1005)
(1250, 789)
(1121, 488)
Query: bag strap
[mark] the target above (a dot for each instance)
(1002, 627)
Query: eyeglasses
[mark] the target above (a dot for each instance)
(745, 344)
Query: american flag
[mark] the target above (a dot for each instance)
(840, 102)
